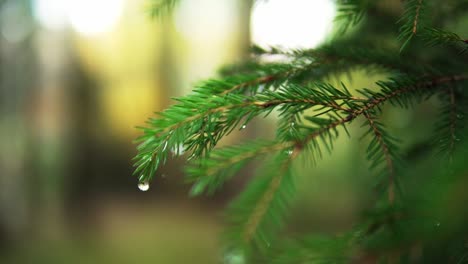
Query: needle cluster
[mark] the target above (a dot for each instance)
(421, 58)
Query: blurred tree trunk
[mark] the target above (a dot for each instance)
(244, 15)
(17, 80)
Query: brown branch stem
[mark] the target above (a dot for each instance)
(416, 18)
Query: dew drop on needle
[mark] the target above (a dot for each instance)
(178, 150)
(143, 186)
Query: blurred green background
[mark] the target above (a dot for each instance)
(76, 77)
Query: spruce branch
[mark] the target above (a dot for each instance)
(257, 213)
(449, 125)
(345, 55)
(200, 120)
(436, 37)
(311, 115)
(185, 123)
(256, 82)
(382, 147)
(350, 13)
(413, 21)
(266, 199)
(272, 75)
(383, 141)
(209, 174)
(416, 18)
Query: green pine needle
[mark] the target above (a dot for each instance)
(413, 21)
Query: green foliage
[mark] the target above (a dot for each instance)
(449, 127)
(401, 224)
(413, 20)
(210, 173)
(436, 37)
(350, 13)
(382, 149)
(255, 216)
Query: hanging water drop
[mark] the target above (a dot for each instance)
(261, 88)
(197, 188)
(191, 157)
(289, 152)
(234, 257)
(178, 150)
(243, 127)
(165, 146)
(143, 186)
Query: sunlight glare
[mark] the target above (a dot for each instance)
(202, 20)
(291, 23)
(91, 17)
(88, 17)
(52, 14)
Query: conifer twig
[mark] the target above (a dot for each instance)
(260, 80)
(259, 104)
(374, 102)
(416, 18)
(294, 86)
(388, 158)
(246, 156)
(361, 107)
(412, 21)
(262, 206)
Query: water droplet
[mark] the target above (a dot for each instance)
(289, 152)
(460, 116)
(437, 224)
(261, 88)
(165, 146)
(234, 257)
(293, 124)
(197, 188)
(191, 157)
(178, 150)
(243, 127)
(143, 186)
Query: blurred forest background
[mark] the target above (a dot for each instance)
(76, 77)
